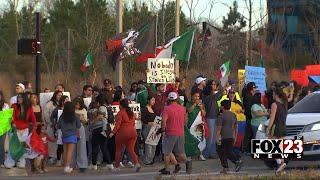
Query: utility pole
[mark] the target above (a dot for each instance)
(119, 68)
(250, 33)
(68, 55)
(38, 75)
(177, 33)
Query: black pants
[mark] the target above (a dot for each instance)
(225, 152)
(100, 142)
(59, 151)
(247, 137)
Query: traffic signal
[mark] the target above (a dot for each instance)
(28, 47)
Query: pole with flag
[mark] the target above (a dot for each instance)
(224, 72)
(87, 62)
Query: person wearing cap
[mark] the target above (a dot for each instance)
(199, 85)
(174, 118)
(247, 103)
(19, 89)
(176, 87)
(108, 90)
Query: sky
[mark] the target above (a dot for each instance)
(202, 8)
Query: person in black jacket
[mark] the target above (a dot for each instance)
(247, 102)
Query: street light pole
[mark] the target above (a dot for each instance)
(177, 33)
(37, 72)
(119, 68)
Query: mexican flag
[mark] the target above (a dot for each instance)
(224, 72)
(87, 62)
(179, 47)
(196, 132)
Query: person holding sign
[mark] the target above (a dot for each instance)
(148, 116)
(126, 134)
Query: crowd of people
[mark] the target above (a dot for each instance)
(70, 133)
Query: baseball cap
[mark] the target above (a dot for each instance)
(173, 96)
(21, 85)
(200, 79)
(251, 85)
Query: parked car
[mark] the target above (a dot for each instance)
(303, 119)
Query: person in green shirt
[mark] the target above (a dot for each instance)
(142, 94)
(259, 113)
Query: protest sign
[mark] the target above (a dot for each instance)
(256, 75)
(45, 98)
(5, 121)
(153, 138)
(241, 78)
(300, 76)
(313, 70)
(160, 70)
(135, 107)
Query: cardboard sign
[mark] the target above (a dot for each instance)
(313, 70)
(256, 75)
(135, 107)
(45, 98)
(300, 76)
(153, 138)
(160, 70)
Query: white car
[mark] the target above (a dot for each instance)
(303, 119)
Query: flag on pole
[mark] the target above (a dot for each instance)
(181, 48)
(87, 62)
(224, 72)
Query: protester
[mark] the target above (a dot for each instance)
(54, 119)
(160, 98)
(304, 92)
(183, 99)
(211, 95)
(132, 95)
(194, 108)
(259, 113)
(50, 106)
(247, 103)
(199, 85)
(148, 117)
(40, 162)
(59, 87)
(174, 118)
(46, 90)
(87, 91)
(23, 116)
(142, 94)
(237, 109)
(80, 157)
(226, 133)
(28, 86)
(108, 90)
(100, 116)
(277, 123)
(126, 135)
(3, 106)
(19, 89)
(117, 97)
(69, 124)
(34, 99)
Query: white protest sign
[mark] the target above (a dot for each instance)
(59, 114)
(160, 70)
(153, 138)
(45, 98)
(135, 107)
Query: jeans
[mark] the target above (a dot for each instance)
(2, 139)
(247, 137)
(100, 142)
(225, 152)
(210, 150)
(254, 131)
(149, 152)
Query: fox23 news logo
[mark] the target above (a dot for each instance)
(277, 148)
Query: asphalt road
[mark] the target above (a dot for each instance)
(209, 169)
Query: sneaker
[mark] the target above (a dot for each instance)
(130, 164)
(44, 170)
(94, 167)
(177, 168)
(59, 163)
(109, 166)
(224, 171)
(137, 167)
(164, 171)
(202, 158)
(238, 165)
(20, 166)
(39, 171)
(281, 167)
(68, 170)
(121, 165)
